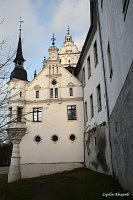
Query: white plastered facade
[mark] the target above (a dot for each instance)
(47, 156)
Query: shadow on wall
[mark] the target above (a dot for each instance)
(96, 145)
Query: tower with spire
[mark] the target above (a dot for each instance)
(17, 125)
(19, 72)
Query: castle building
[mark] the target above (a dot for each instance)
(105, 68)
(46, 118)
(90, 72)
(79, 109)
(117, 48)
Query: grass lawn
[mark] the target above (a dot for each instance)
(79, 184)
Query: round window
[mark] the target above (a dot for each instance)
(55, 138)
(37, 139)
(72, 137)
(54, 82)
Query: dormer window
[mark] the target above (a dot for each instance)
(37, 94)
(71, 91)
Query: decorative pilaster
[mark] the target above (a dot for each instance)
(14, 170)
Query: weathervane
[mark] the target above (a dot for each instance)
(53, 39)
(68, 30)
(20, 26)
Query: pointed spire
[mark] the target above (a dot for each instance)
(35, 74)
(53, 40)
(19, 55)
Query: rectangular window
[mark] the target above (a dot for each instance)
(91, 106)
(37, 94)
(99, 103)
(37, 114)
(86, 114)
(19, 114)
(71, 112)
(89, 67)
(51, 92)
(95, 53)
(83, 77)
(109, 61)
(56, 92)
(71, 91)
(101, 4)
(125, 7)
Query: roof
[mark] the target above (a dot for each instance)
(70, 69)
(19, 54)
(19, 73)
(89, 37)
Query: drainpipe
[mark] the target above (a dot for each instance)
(105, 82)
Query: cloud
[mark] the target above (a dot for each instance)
(71, 12)
(33, 33)
(42, 18)
(79, 40)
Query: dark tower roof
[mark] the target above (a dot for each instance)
(19, 72)
(19, 54)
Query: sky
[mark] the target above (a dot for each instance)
(41, 19)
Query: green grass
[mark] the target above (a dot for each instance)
(87, 185)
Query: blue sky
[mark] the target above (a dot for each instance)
(42, 18)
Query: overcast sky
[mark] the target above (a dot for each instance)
(42, 18)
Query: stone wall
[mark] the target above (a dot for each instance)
(121, 129)
(97, 149)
